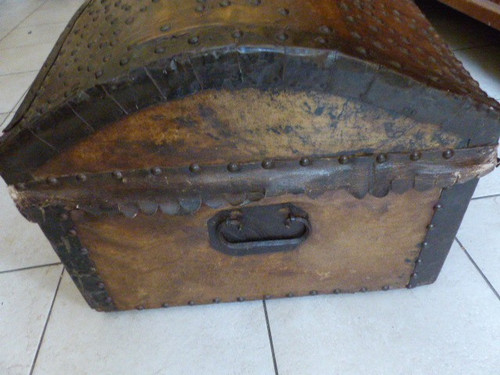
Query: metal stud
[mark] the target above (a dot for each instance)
(425, 244)
(224, 3)
(343, 159)
(101, 285)
(430, 226)
(305, 162)
(386, 287)
(159, 50)
(313, 292)
(237, 34)
(156, 171)
(382, 158)
(200, 8)
(363, 290)
(108, 300)
(337, 291)
(72, 232)
(233, 167)
(52, 181)
(191, 303)
(140, 307)
(84, 251)
(81, 177)
(281, 36)
(165, 305)
(118, 175)
(268, 164)
(64, 216)
(240, 299)
(165, 28)
(325, 29)
(284, 11)
(216, 300)
(194, 40)
(448, 154)
(20, 186)
(289, 295)
(414, 156)
(267, 296)
(438, 206)
(195, 168)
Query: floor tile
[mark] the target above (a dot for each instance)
(483, 63)
(12, 88)
(32, 35)
(22, 244)
(451, 327)
(12, 12)
(216, 339)
(24, 59)
(480, 235)
(25, 300)
(54, 11)
(488, 185)
(4, 122)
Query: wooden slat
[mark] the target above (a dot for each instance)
(486, 11)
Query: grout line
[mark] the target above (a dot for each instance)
(20, 22)
(486, 196)
(14, 109)
(275, 363)
(46, 323)
(477, 268)
(31, 267)
(18, 73)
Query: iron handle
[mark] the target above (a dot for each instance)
(263, 245)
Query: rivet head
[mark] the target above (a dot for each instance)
(284, 11)
(64, 216)
(20, 186)
(200, 8)
(430, 226)
(233, 167)
(216, 300)
(237, 34)
(140, 308)
(448, 154)
(52, 181)
(81, 177)
(195, 168)
(414, 275)
(72, 232)
(240, 299)
(415, 156)
(165, 305)
(194, 40)
(191, 303)
(425, 244)
(382, 158)
(165, 28)
(267, 296)
(124, 61)
(84, 251)
(386, 287)
(156, 171)
(343, 159)
(438, 206)
(268, 164)
(336, 291)
(325, 29)
(159, 50)
(118, 175)
(289, 295)
(313, 292)
(281, 36)
(363, 290)
(224, 3)
(100, 285)
(108, 300)
(305, 162)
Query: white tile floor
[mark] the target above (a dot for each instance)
(451, 327)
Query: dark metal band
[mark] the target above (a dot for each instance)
(441, 232)
(178, 191)
(57, 225)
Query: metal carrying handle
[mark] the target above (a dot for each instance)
(264, 245)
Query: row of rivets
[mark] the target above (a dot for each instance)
(234, 167)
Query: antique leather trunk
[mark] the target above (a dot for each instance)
(189, 152)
